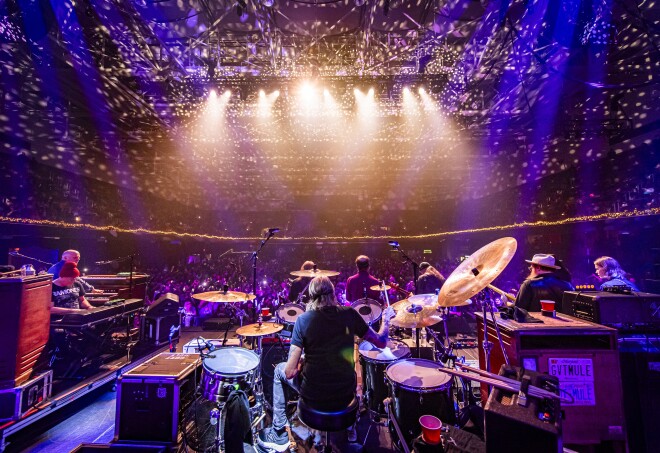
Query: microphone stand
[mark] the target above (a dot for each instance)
(415, 266)
(254, 257)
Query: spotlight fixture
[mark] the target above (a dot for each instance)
(268, 3)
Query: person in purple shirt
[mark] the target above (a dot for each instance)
(357, 286)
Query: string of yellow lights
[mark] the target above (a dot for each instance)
(540, 223)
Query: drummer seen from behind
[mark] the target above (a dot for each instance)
(357, 285)
(299, 285)
(326, 378)
(68, 294)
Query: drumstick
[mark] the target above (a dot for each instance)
(387, 297)
(513, 386)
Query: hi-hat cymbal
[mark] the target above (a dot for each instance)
(489, 261)
(256, 330)
(417, 311)
(379, 287)
(225, 297)
(314, 273)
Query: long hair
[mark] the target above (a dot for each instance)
(611, 266)
(322, 293)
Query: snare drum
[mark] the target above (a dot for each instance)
(369, 309)
(418, 387)
(227, 368)
(374, 361)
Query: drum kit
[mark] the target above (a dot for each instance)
(397, 386)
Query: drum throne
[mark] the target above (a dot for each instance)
(326, 421)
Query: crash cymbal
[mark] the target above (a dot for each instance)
(489, 261)
(314, 273)
(256, 330)
(224, 297)
(417, 311)
(380, 288)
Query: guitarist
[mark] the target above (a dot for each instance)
(430, 281)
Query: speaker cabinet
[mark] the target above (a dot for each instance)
(535, 426)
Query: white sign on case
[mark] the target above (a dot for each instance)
(576, 379)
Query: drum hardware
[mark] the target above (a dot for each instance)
(397, 428)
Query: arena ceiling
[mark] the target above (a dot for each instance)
(523, 89)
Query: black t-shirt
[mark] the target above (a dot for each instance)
(67, 296)
(327, 338)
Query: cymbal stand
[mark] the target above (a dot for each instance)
(487, 345)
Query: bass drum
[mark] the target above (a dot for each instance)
(287, 314)
(418, 387)
(228, 368)
(374, 361)
(370, 310)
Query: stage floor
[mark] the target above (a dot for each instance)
(92, 418)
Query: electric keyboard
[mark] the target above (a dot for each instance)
(86, 318)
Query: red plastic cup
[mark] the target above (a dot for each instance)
(548, 305)
(430, 429)
(265, 311)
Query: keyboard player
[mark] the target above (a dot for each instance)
(72, 256)
(68, 294)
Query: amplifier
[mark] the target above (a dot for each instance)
(534, 426)
(15, 402)
(153, 397)
(637, 311)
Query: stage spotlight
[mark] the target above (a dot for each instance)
(326, 93)
(421, 91)
(262, 94)
(371, 92)
(213, 94)
(227, 93)
(268, 3)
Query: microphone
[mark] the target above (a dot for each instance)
(99, 262)
(393, 243)
(273, 230)
(207, 344)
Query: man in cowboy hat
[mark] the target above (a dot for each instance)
(543, 283)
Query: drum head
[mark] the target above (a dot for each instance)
(394, 350)
(231, 361)
(417, 374)
(289, 312)
(369, 309)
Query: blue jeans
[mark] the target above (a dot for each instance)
(279, 398)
